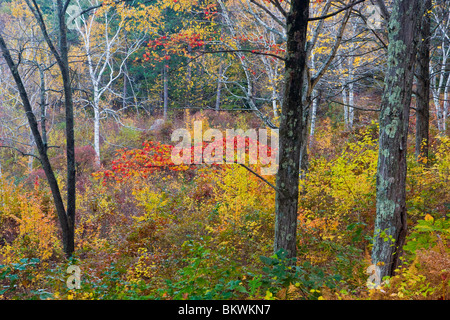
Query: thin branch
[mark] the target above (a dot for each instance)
(336, 12)
(277, 5)
(333, 52)
(265, 9)
(38, 15)
(260, 177)
(22, 153)
(357, 108)
(245, 50)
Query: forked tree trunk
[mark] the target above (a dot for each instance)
(42, 150)
(390, 224)
(60, 52)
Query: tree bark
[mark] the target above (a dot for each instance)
(390, 224)
(61, 56)
(69, 245)
(291, 129)
(445, 107)
(423, 90)
(96, 106)
(219, 87)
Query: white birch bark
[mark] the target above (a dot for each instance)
(100, 54)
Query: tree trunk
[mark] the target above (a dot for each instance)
(345, 102)
(304, 158)
(188, 81)
(445, 107)
(314, 105)
(97, 128)
(437, 89)
(31, 158)
(313, 119)
(43, 105)
(69, 244)
(42, 150)
(351, 84)
(351, 99)
(166, 92)
(67, 218)
(390, 224)
(291, 129)
(344, 94)
(125, 74)
(219, 87)
(423, 90)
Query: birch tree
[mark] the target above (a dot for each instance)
(440, 83)
(106, 49)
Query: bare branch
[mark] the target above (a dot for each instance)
(336, 12)
(22, 153)
(245, 50)
(259, 176)
(265, 9)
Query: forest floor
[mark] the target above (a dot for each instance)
(206, 231)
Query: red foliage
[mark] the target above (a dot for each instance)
(154, 156)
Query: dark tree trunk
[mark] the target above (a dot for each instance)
(61, 55)
(423, 90)
(390, 224)
(69, 243)
(40, 145)
(291, 127)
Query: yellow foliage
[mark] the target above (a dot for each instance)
(36, 223)
(153, 202)
(245, 206)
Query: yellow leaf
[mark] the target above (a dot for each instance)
(269, 295)
(428, 217)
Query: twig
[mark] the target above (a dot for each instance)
(21, 152)
(259, 176)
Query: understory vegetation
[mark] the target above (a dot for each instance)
(206, 231)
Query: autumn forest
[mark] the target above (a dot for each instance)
(224, 150)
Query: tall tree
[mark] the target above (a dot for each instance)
(423, 88)
(291, 127)
(439, 63)
(390, 224)
(66, 214)
(106, 51)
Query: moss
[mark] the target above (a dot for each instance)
(385, 208)
(391, 129)
(395, 95)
